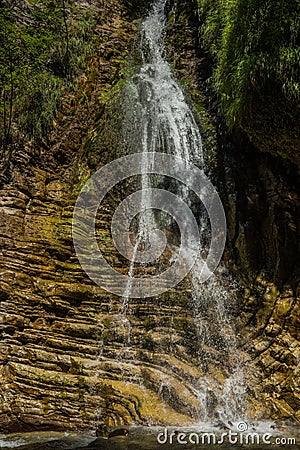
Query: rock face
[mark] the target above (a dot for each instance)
(263, 217)
(261, 196)
(66, 358)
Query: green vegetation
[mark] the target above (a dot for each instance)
(43, 46)
(255, 46)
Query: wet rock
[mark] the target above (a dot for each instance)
(118, 432)
(102, 431)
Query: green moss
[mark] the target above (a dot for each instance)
(257, 68)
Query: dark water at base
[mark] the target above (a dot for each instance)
(141, 438)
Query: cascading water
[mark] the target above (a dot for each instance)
(163, 120)
(160, 120)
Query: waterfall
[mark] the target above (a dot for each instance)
(158, 119)
(163, 120)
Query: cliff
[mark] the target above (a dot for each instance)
(64, 360)
(259, 190)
